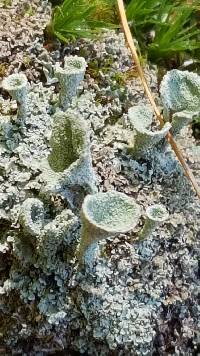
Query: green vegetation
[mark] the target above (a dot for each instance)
(83, 18)
(7, 3)
(164, 29)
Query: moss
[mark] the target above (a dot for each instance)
(105, 10)
(95, 66)
(3, 69)
(7, 3)
(123, 77)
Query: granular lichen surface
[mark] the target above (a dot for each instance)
(131, 298)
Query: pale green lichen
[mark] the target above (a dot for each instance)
(31, 216)
(180, 94)
(104, 215)
(144, 139)
(53, 235)
(156, 215)
(67, 141)
(69, 166)
(69, 78)
(16, 85)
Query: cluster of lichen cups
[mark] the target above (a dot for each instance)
(69, 165)
(180, 98)
(108, 214)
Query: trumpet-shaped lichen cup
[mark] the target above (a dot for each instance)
(68, 169)
(31, 216)
(16, 85)
(104, 215)
(69, 78)
(144, 138)
(180, 95)
(155, 215)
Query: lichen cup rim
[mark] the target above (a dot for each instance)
(7, 82)
(176, 77)
(152, 209)
(69, 60)
(69, 68)
(121, 227)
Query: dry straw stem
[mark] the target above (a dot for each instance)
(169, 136)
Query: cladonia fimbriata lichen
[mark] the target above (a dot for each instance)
(31, 216)
(69, 78)
(104, 215)
(16, 85)
(144, 139)
(54, 234)
(180, 94)
(155, 216)
(69, 167)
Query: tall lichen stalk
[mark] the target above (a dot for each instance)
(169, 136)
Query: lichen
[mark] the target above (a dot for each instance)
(144, 139)
(16, 85)
(104, 215)
(156, 214)
(69, 78)
(55, 234)
(180, 95)
(31, 216)
(69, 166)
(117, 303)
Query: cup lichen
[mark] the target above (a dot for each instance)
(155, 215)
(69, 78)
(104, 215)
(180, 95)
(53, 235)
(31, 216)
(17, 86)
(69, 165)
(144, 139)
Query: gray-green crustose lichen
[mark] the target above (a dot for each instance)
(104, 215)
(17, 86)
(180, 95)
(144, 139)
(69, 165)
(69, 78)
